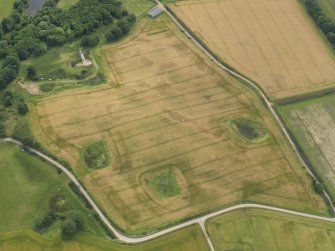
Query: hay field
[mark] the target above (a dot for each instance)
(167, 107)
(272, 42)
(187, 239)
(255, 229)
(313, 124)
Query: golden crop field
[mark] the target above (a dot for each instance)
(166, 116)
(255, 229)
(272, 42)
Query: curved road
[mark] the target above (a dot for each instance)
(201, 219)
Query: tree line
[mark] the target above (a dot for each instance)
(326, 25)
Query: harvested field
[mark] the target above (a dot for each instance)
(187, 239)
(313, 124)
(255, 229)
(166, 106)
(273, 42)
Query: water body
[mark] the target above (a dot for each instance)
(34, 5)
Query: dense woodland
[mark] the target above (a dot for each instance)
(325, 23)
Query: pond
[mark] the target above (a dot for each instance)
(34, 5)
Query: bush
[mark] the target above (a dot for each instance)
(7, 101)
(22, 108)
(31, 73)
(318, 187)
(23, 134)
(90, 41)
(45, 220)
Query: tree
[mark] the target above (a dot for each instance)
(22, 107)
(331, 37)
(7, 101)
(68, 227)
(54, 40)
(124, 25)
(113, 34)
(90, 41)
(31, 73)
(318, 187)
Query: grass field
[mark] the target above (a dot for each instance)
(58, 65)
(138, 7)
(26, 186)
(65, 4)
(273, 42)
(252, 229)
(188, 239)
(329, 7)
(166, 107)
(313, 124)
(6, 7)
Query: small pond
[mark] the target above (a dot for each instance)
(34, 5)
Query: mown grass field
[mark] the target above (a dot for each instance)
(166, 107)
(188, 239)
(6, 7)
(26, 186)
(313, 124)
(255, 229)
(272, 42)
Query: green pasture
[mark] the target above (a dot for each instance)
(28, 187)
(6, 7)
(65, 4)
(328, 7)
(314, 149)
(187, 239)
(256, 229)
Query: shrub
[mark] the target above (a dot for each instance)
(90, 41)
(22, 108)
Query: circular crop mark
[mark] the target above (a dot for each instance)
(249, 129)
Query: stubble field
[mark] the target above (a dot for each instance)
(254, 229)
(313, 124)
(273, 42)
(165, 116)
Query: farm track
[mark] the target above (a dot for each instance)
(201, 220)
